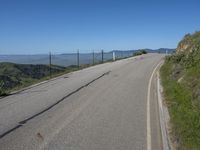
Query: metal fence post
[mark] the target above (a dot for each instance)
(50, 64)
(113, 56)
(102, 56)
(78, 58)
(93, 57)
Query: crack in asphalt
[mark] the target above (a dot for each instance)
(21, 123)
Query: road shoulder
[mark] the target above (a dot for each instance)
(164, 117)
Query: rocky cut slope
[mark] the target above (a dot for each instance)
(190, 43)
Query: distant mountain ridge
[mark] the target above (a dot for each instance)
(160, 50)
(71, 58)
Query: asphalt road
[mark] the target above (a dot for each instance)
(99, 108)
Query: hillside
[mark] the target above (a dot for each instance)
(181, 81)
(13, 75)
(190, 43)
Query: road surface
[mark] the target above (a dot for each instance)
(104, 107)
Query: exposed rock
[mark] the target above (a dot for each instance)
(189, 43)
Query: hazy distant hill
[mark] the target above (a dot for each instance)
(71, 59)
(160, 50)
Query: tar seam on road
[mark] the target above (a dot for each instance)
(148, 109)
(21, 123)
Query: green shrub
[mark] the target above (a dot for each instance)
(144, 52)
(139, 52)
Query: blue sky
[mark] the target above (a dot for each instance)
(61, 26)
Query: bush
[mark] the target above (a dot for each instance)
(144, 52)
(139, 52)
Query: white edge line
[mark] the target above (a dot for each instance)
(148, 108)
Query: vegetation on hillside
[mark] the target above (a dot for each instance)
(14, 76)
(181, 80)
(140, 52)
